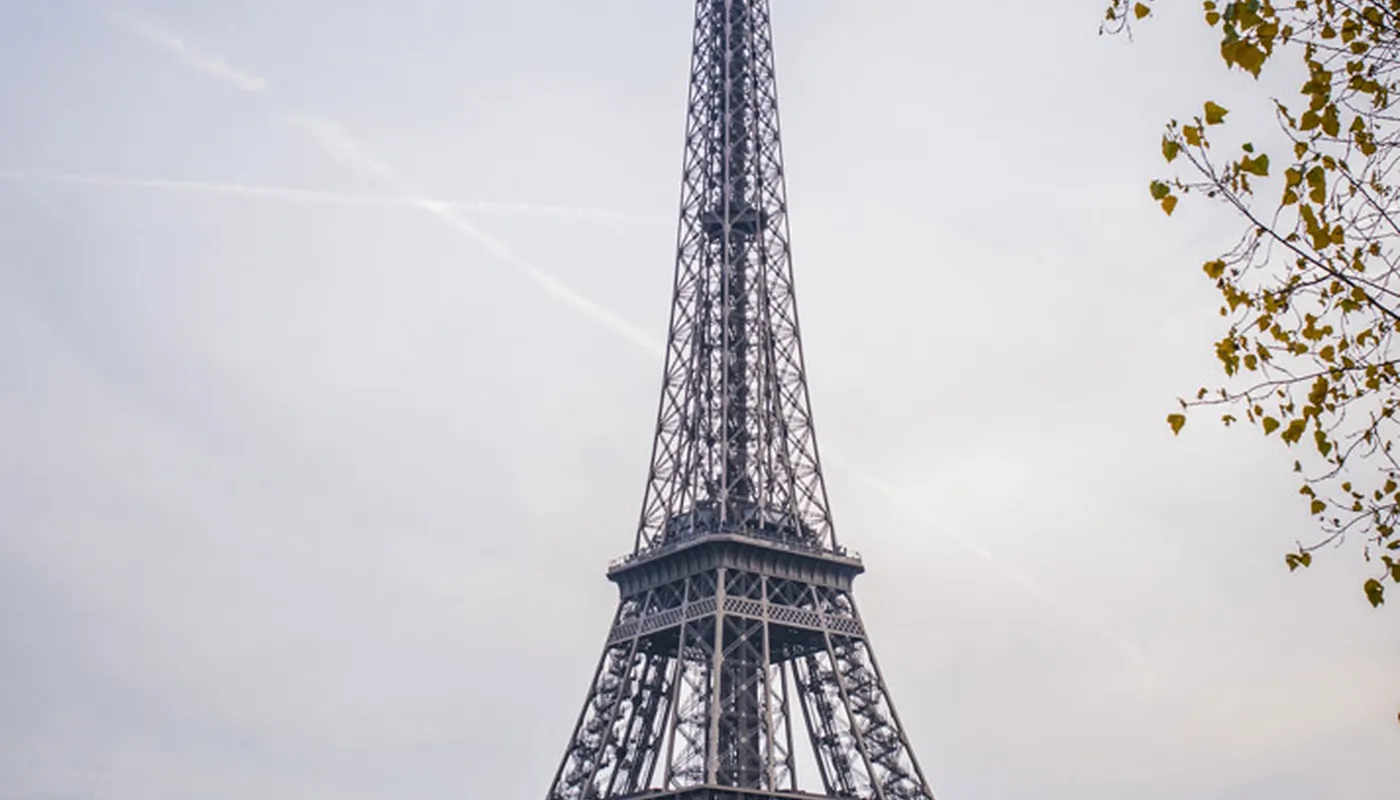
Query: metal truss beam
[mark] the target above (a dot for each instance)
(736, 634)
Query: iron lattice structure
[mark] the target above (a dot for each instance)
(737, 642)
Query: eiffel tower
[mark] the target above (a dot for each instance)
(736, 644)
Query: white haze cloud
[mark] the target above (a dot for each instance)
(303, 496)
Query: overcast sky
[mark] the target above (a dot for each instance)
(328, 371)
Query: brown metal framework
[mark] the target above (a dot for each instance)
(737, 640)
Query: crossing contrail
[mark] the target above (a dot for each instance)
(333, 140)
(339, 144)
(336, 142)
(317, 196)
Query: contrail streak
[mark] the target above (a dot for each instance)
(154, 32)
(337, 143)
(541, 278)
(919, 512)
(318, 196)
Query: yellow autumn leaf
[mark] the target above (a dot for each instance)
(1170, 148)
(1258, 165)
(1294, 431)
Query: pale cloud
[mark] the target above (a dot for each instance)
(338, 143)
(305, 497)
(1060, 608)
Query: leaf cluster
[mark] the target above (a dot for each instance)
(1311, 290)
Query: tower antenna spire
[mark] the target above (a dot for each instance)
(735, 446)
